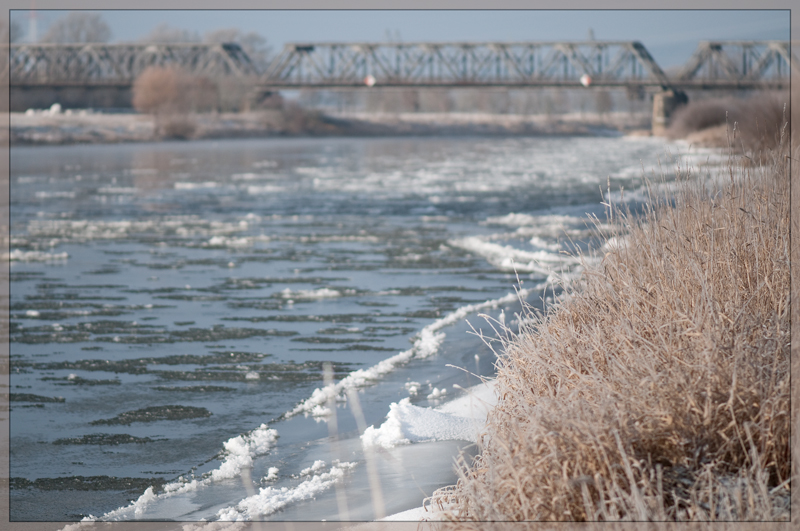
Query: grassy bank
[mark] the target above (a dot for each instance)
(659, 389)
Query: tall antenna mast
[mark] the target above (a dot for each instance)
(32, 26)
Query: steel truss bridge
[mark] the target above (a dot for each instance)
(714, 65)
(717, 65)
(119, 64)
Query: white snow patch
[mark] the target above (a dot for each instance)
(224, 241)
(264, 189)
(437, 393)
(35, 256)
(513, 220)
(310, 294)
(508, 258)
(239, 450)
(194, 186)
(542, 244)
(270, 499)
(43, 194)
(316, 467)
(272, 474)
(412, 388)
(461, 419)
(418, 514)
(615, 243)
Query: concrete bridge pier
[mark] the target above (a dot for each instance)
(664, 105)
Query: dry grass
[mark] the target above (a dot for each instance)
(753, 123)
(658, 390)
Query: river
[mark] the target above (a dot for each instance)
(174, 306)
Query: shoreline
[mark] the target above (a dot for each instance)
(36, 128)
(649, 353)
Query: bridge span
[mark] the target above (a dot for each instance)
(715, 65)
(729, 65)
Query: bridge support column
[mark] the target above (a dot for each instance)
(664, 105)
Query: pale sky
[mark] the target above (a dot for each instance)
(670, 35)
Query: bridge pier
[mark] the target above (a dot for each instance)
(664, 105)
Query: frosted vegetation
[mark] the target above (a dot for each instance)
(659, 388)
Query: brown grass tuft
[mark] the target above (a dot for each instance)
(658, 389)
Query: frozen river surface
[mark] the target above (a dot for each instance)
(176, 309)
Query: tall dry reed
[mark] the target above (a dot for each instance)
(658, 390)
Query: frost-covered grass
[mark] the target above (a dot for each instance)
(659, 388)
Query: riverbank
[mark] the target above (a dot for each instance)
(81, 126)
(658, 389)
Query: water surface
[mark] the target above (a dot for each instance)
(168, 297)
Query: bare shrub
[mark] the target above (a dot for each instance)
(699, 115)
(434, 100)
(659, 388)
(235, 94)
(298, 120)
(177, 126)
(164, 33)
(168, 90)
(757, 120)
(78, 26)
(201, 93)
(603, 103)
(158, 90)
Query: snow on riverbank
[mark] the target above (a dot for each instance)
(461, 419)
(82, 126)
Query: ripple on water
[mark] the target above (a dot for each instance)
(155, 413)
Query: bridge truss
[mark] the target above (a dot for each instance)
(522, 64)
(739, 64)
(119, 64)
(714, 65)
